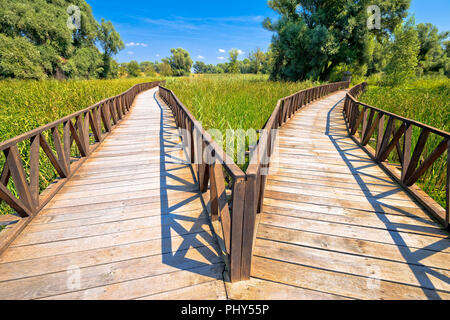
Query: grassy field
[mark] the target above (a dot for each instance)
(233, 102)
(426, 101)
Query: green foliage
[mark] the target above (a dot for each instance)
(404, 54)
(165, 69)
(36, 33)
(133, 69)
(232, 101)
(433, 57)
(233, 65)
(19, 59)
(111, 43)
(148, 68)
(313, 37)
(180, 62)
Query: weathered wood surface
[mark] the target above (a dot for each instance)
(336, 226)
(130, 224)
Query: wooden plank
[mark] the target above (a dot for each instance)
(400, 239)
(342, 284)
(114, 273)
(407, 274)
(121, 250)
(259, 289)
(358, 247)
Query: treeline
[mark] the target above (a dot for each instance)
(181, 64)
(320, 39)
(55, 38)
(257, 62)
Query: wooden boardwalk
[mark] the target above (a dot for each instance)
(335, 226)
(131, 223)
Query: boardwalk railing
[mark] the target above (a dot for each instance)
(236, 210)
(64, 145)
(212, 165)
(392, 135)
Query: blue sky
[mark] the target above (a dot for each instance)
(209, 29)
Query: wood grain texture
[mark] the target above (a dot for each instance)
(335, 225)
(120, 231)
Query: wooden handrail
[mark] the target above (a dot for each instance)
(364, 121)
(77, 129)
(237, 215)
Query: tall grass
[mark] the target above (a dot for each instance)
(425, 100)
(223, 102)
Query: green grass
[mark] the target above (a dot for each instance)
(26, 105)
(224, 102)
(425, 100)
(233, 102)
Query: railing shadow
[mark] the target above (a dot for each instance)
(197, 248)
(413, 257)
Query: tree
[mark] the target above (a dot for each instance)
(200, 67)
(165, 69)
(133, 69)
(233, 65)
(180, 62)
(111, 43)
(148, 68)
(257, 60)
(404, 54)
(19, 59)
(432, 54)
(43, 24)
(313, 37)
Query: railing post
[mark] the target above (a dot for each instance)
(236, 229)
(248, 227)
(447, 207)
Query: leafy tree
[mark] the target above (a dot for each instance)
(86, 63)
(200, 67)
(245, 66)
(312, 37)
(432, 54)
(165, 69)
(180, 62)
(43, 24)
(233, 65)
(404, 54)
(111, 43)
(257, 61)
(148, 68)
(19, 59)
(133, 69)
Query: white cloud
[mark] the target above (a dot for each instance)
(221, 58)
(200, 57)
(221, 50)
(137, 44)
(158, 55)
(241, 52)
(130, 53)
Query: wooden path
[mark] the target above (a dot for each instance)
(131, 224)
(335, 226)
